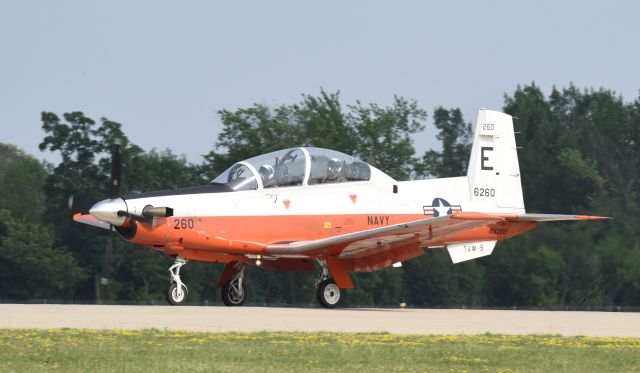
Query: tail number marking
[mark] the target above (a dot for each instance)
(485, 157)
(183, 224)
(484, 192)
(488, 129)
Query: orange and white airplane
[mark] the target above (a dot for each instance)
(288, 209)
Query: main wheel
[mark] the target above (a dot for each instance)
(232, 294)
(176, 297)
(328, 293)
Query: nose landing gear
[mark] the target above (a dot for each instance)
(177, 292)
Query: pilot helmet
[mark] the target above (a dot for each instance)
(266, 172)
(334, 168)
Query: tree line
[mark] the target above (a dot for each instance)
(579, 153)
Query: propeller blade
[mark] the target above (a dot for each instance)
(79, 204)
(116, 169)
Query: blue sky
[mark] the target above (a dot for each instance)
(163, 68)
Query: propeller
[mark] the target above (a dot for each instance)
(114, 186)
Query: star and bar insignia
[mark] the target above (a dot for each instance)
(440, 207)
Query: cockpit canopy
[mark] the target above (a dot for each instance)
(294, 167)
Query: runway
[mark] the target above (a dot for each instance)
(250, 319)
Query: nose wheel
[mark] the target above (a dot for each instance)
(177, 292)
(176, 295)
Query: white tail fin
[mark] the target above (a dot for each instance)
(494, 173)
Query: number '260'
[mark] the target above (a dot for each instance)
(183, 224)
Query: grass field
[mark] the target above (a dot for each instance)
(71, 350)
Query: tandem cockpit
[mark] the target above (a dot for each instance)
(294, 167)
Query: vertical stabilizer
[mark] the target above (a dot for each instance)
(494, 172)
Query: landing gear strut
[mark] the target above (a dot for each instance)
(177, 292)
(234, 292)
(328, 292)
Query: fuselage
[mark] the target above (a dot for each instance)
(220, 225)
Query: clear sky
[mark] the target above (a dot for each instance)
(163, 68)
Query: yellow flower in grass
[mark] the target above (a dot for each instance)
(463, 359)
(128, 333)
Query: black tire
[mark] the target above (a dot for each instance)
(172, 296)
(230, 297)
(328, 293)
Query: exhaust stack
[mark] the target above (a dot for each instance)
(158, 212)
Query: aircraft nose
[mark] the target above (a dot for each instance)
(110, 211)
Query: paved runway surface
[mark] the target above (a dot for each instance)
(407, 321)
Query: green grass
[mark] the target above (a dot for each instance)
(69, 350)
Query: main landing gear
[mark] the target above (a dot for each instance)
(234, 293)
(177, 292)
(327, 290)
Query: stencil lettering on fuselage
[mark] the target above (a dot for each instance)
(378, 220)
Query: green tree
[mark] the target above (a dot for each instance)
(323, 123)
(22, 178)
(156, 170)
(250, 132)
(383, 133)
(32, 265)
(455, 135)
(579, 154)
(8, 154)
(364, 131)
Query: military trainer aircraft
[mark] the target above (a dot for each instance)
(288, 209)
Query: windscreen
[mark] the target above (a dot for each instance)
(238, 177)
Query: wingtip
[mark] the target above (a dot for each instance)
(592, 217)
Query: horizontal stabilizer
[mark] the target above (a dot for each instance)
(461, 252)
